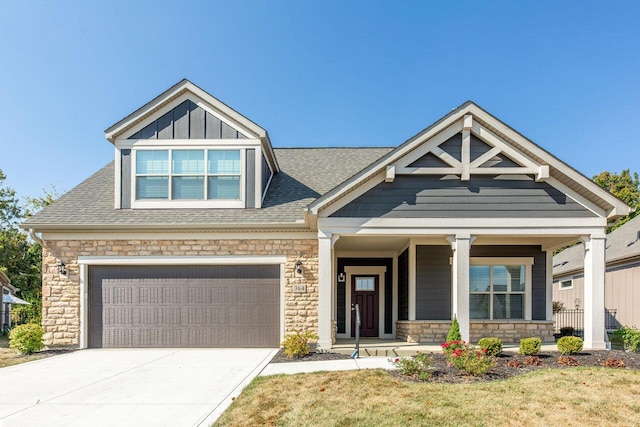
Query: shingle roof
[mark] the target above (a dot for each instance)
(306, 174)
(622, 243)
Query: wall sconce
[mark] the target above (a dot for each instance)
(577, 303)
(62, 268)
(298, 267)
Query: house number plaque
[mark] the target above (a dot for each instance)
(299, 289)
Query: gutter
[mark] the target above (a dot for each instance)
(35, 237)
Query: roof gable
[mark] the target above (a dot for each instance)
(469, 141)
(185, 111)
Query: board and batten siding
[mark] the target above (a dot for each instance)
(433, 283)
(427, 196)
(621, 292)
(188, 121)
(433, 278)
(403, 285)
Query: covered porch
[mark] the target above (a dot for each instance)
(409, 288)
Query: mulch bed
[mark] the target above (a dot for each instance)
(509, 364)
(280, 357)
(512, 364)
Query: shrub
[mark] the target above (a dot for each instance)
(568, 361)
(532, 361)
(514, 364)
(630, 336)
(492, 346)
(614, 363)
(530, 346)
(297, 345)
(466, 358)
(418, 366)
(454, 331)
(26, 338)
(558, 306)
(570, 345)
(567, 331)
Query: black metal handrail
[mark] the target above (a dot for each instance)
(575, 318)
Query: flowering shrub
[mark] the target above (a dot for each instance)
(466, 358)
(418, 366)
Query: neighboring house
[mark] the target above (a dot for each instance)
(201, 234)
(8, 299)
(622, 278)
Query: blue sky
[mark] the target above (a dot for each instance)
(330, 73)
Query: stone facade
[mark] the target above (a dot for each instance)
(61, 294)
(435, 331)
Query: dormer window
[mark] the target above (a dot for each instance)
(179, 174)
(186, 149)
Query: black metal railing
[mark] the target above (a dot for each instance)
(575, 319)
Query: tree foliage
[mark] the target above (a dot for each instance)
(625, 186)
(21, 258)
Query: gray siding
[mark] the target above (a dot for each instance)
(250, 179)
(403, 285)
(427, 196)
(125, 173)
(538, 286)
(187, 121)
(433, 283)
(453, 146)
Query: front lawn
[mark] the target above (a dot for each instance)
(576, 396)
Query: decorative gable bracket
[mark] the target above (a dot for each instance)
(459, 160)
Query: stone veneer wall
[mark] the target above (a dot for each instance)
(435, 331)
(61, 294)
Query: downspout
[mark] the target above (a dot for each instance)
(33, 235)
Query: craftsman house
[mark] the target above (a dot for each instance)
(201, 234)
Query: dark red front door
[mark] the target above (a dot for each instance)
(364, 292)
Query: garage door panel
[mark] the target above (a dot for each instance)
(184, 306)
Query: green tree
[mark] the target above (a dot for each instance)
(20, 258)
(10, 211)
(625, 186)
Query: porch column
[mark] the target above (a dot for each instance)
(594, 271)
(461, 245)
(549, 287)
(324, 290)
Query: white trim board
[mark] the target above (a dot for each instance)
(182, 260)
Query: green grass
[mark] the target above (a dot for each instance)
(579, 396)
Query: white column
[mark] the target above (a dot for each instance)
(549, 287)
(324, 291)
(594, 271)
(461, 246)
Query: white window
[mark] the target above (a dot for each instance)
(365, 284)
(499, 288)
(566, 284)
(183, 174)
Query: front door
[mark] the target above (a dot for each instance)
(364, 292)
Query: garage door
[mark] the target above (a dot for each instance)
(184, 306)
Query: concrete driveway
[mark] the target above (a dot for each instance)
(159, 387)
